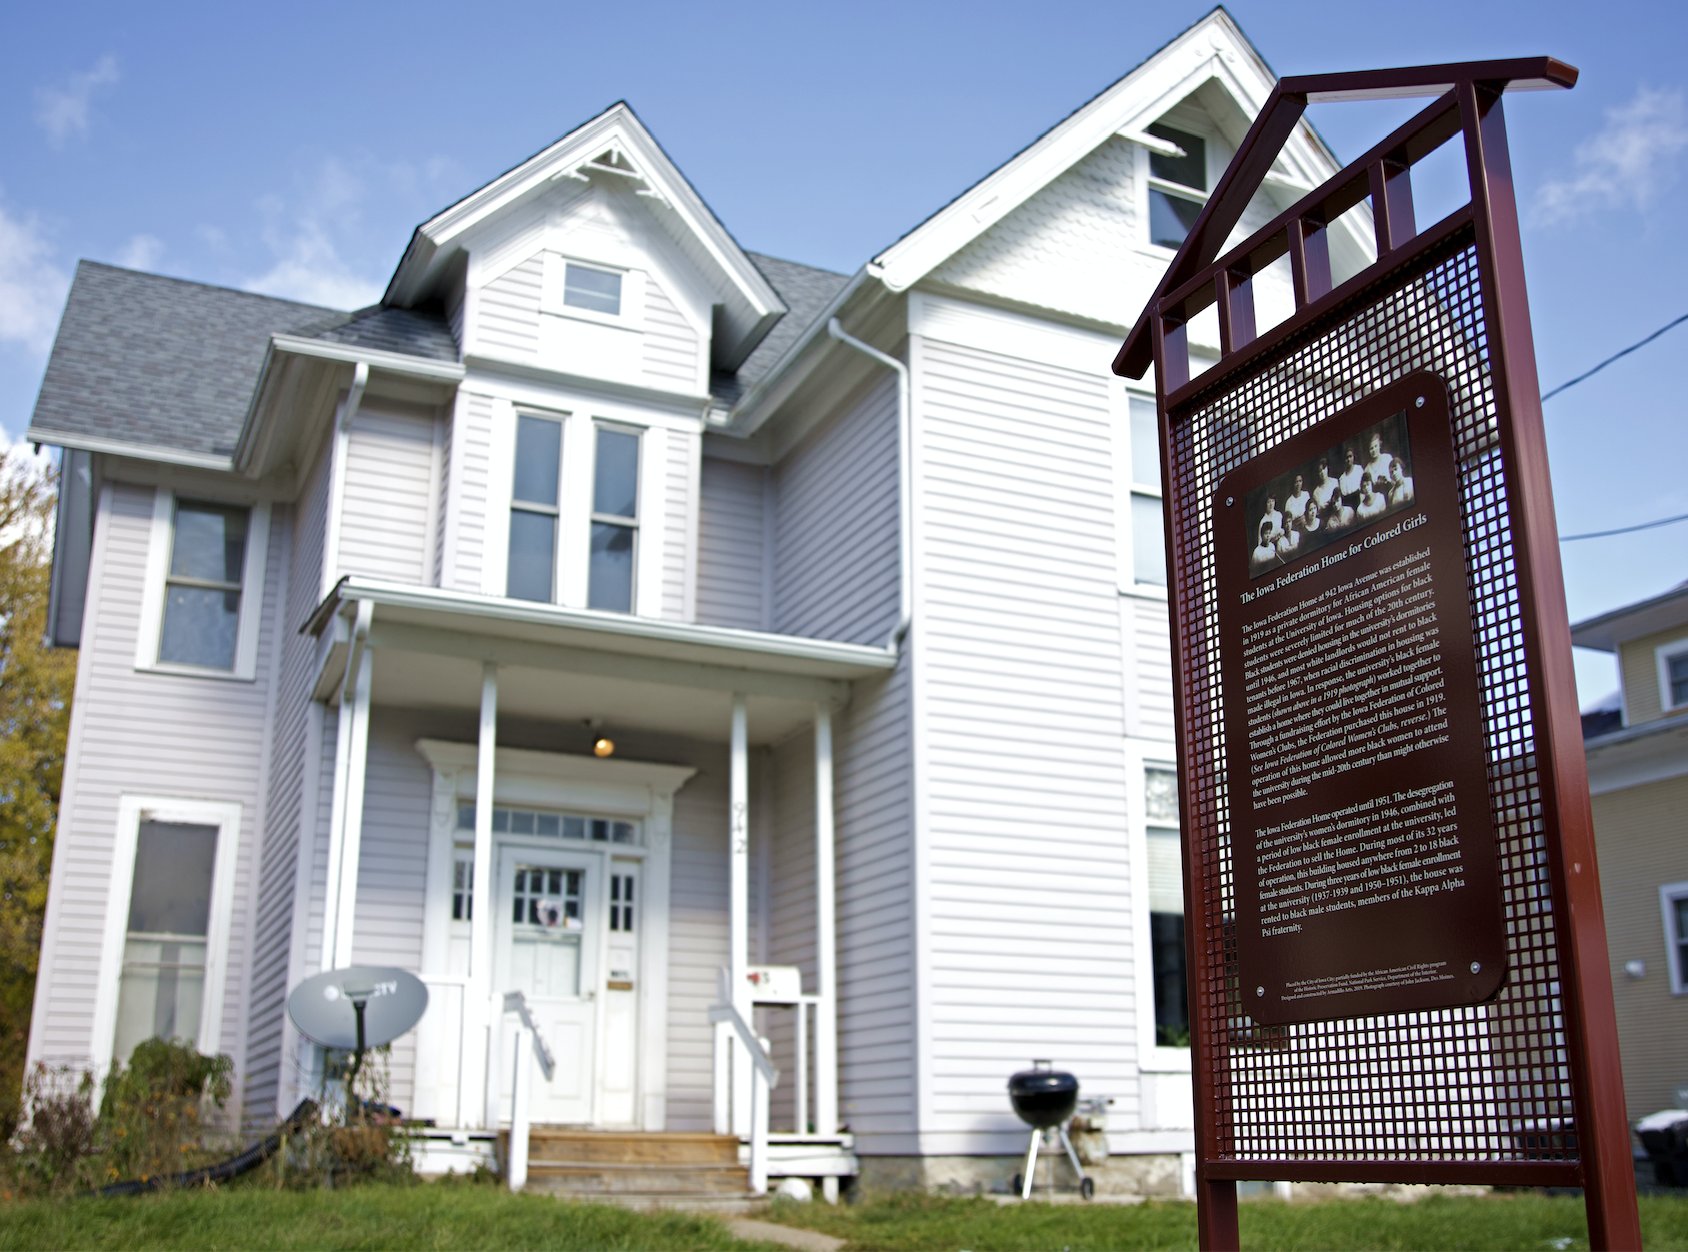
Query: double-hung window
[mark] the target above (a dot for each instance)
(202, 590)
(1673, 903)
(1148, 536)
(1673, 676)
(1166, 906)
(1177, 186)
(534, 508)
(615, 520)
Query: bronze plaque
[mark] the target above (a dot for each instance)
(1366, 880)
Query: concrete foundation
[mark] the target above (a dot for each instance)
(1149, 1175)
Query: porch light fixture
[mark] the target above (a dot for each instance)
(603, 747)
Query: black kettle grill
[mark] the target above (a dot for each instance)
(1045, 1099)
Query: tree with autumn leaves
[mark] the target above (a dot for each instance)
(36, 683)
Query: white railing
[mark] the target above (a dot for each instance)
(530, 1043)
(764, 1079)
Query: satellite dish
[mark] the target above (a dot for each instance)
(326, 1007)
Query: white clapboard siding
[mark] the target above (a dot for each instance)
(835, 527)
(393, 864)
(507, 312)
(1153, 642)
(471, 455)
(791, 903)
(874, 820)
(732, 533)
(276, 949)
(144, 733)
(670, 347)
(697, 938)
(1019, 653)
(679, 481)
(442, 504)
(389, 492)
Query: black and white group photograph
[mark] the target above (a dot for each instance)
(1361, 480)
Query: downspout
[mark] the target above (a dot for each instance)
(341, 450)
(905, 450)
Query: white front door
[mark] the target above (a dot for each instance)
(550, 926)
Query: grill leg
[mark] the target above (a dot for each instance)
(1071, 1156)
(1031, 1165)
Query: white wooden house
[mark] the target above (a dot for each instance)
(862, 576)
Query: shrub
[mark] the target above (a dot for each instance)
(58, 1137)
(154, 1111)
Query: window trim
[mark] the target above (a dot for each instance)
(1663, 655)
(641, 501)
(1669, 894)
(1153, 1058)
(1126, 485)
(1215, 143)
(132, 810)
(558, 513)
(253, 577)
(554, 282)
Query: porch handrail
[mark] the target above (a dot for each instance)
(521, 1086)
(765, 1076)
(515, 1002)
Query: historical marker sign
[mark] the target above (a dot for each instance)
(1393, 925)
(1365, 852)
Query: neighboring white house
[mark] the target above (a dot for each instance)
(591, 471)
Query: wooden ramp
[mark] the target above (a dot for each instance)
(636, 1168)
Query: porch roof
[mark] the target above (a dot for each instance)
(563, 663)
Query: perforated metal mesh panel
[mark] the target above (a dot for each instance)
(1479, 1084)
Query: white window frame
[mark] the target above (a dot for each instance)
(1152, 1057)
(1662, 657)
(1126, 485)
(508, 468)
(132, 810)
(1669, 894)
(642, 488)
(1218, 158)
(252, 579)
(554, 282)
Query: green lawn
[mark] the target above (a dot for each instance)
(1528, 1221)
(434, 1216)
(371, 1217)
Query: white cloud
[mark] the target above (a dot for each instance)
(141, 252)
(63, 111)
(308, 265)
(1626, 165)
(32, 288)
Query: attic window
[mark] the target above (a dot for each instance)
(1171, 215)
(1190, 170)
(596, 290)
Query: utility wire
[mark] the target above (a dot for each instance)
(1622, 530)
(1616, 356)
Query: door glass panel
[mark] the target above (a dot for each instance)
(546, 929)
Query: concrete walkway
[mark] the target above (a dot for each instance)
(790, 1236)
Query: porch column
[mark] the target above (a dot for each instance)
(738, 930)
(345, 831)
(478, 996)
(826, 934)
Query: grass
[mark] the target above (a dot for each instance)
(368, 1217)
(915, 1223)
(435, 1216)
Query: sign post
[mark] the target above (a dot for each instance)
(1395, 940)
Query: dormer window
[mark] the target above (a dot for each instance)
(1171, 214)
(598, 291)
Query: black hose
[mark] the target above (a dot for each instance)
(235, 1166)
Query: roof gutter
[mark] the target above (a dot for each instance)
(905, 449)
(765, 386)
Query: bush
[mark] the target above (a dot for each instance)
(59, 1137)
(154, 1112)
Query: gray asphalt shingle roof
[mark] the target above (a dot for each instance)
(167, 363)
(806, 291)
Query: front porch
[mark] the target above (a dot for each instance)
(585, 921)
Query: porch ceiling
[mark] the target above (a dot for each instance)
(427, 680)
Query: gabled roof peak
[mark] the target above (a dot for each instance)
(614, 146)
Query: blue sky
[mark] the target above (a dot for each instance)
(292, 150)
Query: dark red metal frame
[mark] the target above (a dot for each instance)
(1466, 102)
